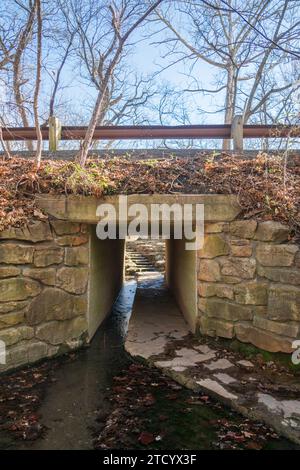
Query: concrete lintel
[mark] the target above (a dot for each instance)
(217, 207)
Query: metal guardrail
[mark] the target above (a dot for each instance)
(237, 131)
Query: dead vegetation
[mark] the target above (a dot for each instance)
(266, 187)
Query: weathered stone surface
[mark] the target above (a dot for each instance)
(55, 304)
(11, 253)
(209, 270)
(35, 231)
(46, 276)
(216, 227)
(13, 335)
(17, 288)
(73, 280)
(218, 308)
(9, 271)
(247, 333)
(241, 248)
(243, 228)
(276, 255)
(283, 275)
(47, 256)
(271, 231)
(214, 245)
(260, 310)
(12, 306)
(13, 318)
(243, 268)
(297, 260)
(216, 388)
(76, 256)
(25, 352)
(284, 302)
(213, 327)
(215, 289)
(219, 364)
(37, 350)
(291, 329)
(63, 227)
(230, 279)
(59, 332)
(252, 293)
(72, 240)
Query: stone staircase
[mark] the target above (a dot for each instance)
(137, 264)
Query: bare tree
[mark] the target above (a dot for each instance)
(226, 36)
(116, 23)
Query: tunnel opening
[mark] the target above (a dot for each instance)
(162, 269)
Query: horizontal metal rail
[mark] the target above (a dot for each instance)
(218, 131)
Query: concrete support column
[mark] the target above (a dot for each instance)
(181, 277)
(106, 274)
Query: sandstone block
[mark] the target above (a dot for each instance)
(291, 329)
(216, 227)
(284, 302)
(243, 228)
(13, 335)
(63, 227)
(45, 276)
(224, 309)
(215, 290)
(214, 245)
(73, 280)
(247, 333)
(213, 327)
(276, 255)
(12, 306)
(252, 293)
(13, 318)
(47, 256)
(243, 268)
(55, 304)
(35, 231)
(209, 270)
(241, 248)
(18, 288)
(76, 256)
(9, 271)
(59, 332)
(11, 253)
(271, 231)
(72, 240)
(282, 275)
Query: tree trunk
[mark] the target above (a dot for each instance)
(229, 103)
(38, 155)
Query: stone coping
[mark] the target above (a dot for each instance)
(217, 207)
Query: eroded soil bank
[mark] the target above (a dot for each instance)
(99, 398)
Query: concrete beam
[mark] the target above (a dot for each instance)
(217, 207)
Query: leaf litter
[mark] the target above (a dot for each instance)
(266, 187)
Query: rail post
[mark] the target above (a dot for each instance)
(237, 133)
(54, 133)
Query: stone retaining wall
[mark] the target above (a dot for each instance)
(249, 284)
(43, 290)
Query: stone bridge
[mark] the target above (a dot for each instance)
(58, 281)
